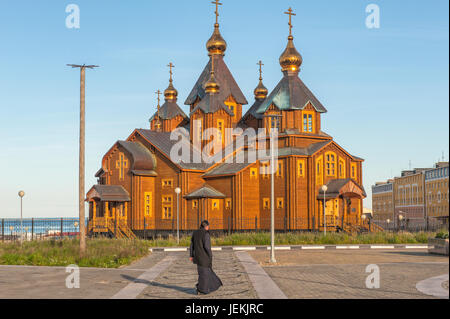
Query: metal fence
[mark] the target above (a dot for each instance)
(413, 225)
(57, 228)
(38, 228)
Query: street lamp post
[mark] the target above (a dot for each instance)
(21, 195)
(324, 189)
(388, 221)
(178, 191)
(273, 128)
(400, 218)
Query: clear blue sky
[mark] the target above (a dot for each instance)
(386, 90)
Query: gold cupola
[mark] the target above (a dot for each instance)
(212, 86)
(216, 44)
(260, 91)
(170, 93)
(290, 59)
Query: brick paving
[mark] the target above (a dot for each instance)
(30, 282)
(178, 281)
(298, 273)
(342, 274)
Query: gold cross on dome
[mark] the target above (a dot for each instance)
(291, 13)
(217, 3)
(159, 93)
(260, 69)
(171, 66)
(158, 123)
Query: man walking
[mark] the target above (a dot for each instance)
(201, 255)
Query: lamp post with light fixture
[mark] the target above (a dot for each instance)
(21, 195)
(400, 218)
(324, 189)
(178, 191)
(274, 127)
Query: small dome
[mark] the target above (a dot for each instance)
(261, 91)
(291, 60)
(212, 86)
(216, 44)
(170, 93)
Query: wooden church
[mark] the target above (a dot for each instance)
(138, 180)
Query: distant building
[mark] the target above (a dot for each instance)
(383, 201)
(420, 196)
(436, 184)
(409, 197)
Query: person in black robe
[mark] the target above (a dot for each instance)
(201, 255)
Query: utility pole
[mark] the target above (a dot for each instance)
(81, 189)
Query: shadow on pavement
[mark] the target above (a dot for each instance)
(190, 291)
(414, 253)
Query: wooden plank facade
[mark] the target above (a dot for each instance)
(232, 196)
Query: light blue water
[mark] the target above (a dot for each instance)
(39, 226)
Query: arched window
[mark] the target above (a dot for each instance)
(330, 163)
(319, 171)
(341, 168)
(354, 173)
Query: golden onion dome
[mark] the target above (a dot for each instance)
(170, 93)
(261, 91)
(216, 44)
(291, 60)
(212, 86)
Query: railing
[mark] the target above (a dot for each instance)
(225, 224)
(412, 225)
(57, 228)
(108, 225)
(38, 228)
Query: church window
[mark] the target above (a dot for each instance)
(121, 165)
(199, 132)
(194, 203)
(341, 168)
(167, 182)
(353, 171)
(221, 128)
(266, 203)
(167, 207)
(228, 203)
(265, 169)
(279, 169)
(319, 171)
(148, 204)
(300, 168)
(330, 164)
(274, 123)
(215, 204)
(308, 123)
(280, 203)
(254, 172)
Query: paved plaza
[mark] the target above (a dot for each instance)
(298, 274)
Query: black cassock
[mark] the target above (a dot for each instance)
(201, 253)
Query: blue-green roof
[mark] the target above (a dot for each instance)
(291, 94)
